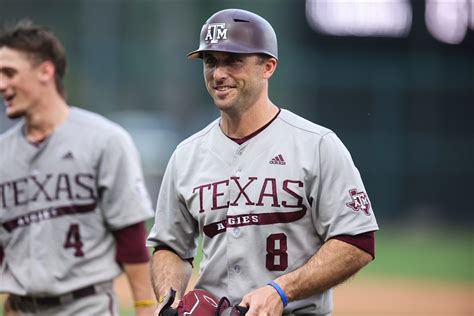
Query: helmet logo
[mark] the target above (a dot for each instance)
(216, 32)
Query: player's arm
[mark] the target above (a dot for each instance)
(168, 270)
(334, 263)
(134, 258)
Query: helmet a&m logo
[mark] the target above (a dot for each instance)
(360, 202)
(216, 32)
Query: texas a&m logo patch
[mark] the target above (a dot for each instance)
(216, 32)
(360, 202)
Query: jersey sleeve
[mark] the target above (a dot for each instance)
(342, 205)
(123, 197)
(174, 226)
(130, 243)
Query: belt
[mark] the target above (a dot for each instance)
(58, 300)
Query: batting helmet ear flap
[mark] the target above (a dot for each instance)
(237, 31)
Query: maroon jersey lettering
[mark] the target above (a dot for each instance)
(201, 195)
(272, 194)
(40, 185)
(298, 197)
(242, 190)
(216, 194)
(63, 185)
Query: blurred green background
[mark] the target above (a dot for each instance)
(403, 105)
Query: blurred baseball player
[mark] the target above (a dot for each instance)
(281, 208)
(72, 196)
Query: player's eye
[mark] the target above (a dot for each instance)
(209, 61)
(8, 72)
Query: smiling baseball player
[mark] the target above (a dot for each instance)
(281, 208)
(72, 196)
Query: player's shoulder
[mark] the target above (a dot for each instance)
(198, 137)
(89, 119)
(298, 123)
(96, 123)
(12, 133)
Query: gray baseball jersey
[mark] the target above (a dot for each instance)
(263, 207)
(60, 200)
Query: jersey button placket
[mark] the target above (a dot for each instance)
(237, 269)
(236, 232)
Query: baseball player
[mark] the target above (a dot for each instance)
(281, 208)
(72, 196)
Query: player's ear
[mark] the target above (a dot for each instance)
(269, 67)
(46, 71)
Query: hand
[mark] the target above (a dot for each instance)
(264, 301)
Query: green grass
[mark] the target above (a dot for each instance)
(444, 256)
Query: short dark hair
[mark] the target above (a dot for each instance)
(40, 44)
(262, 58)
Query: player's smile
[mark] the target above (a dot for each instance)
(221, 91)
(222, 88)
(8, 99)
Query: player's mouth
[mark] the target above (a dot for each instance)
(8, 99)
(223, 88)
(222, 91)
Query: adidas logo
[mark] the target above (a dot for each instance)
(68, 155)
(278, 160)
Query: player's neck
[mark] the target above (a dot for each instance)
(242, 124)
(45, 118)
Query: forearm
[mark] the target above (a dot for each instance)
(139, 279)
(335, 262)
(138, 275)
(168, 270)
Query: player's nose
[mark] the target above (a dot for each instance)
(219, 72)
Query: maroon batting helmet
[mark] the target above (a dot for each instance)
(237, 31)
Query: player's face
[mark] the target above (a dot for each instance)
(19, 82)
(234, 81)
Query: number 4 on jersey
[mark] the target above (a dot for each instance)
(73, 240)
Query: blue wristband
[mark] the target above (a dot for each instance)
(280, 291)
